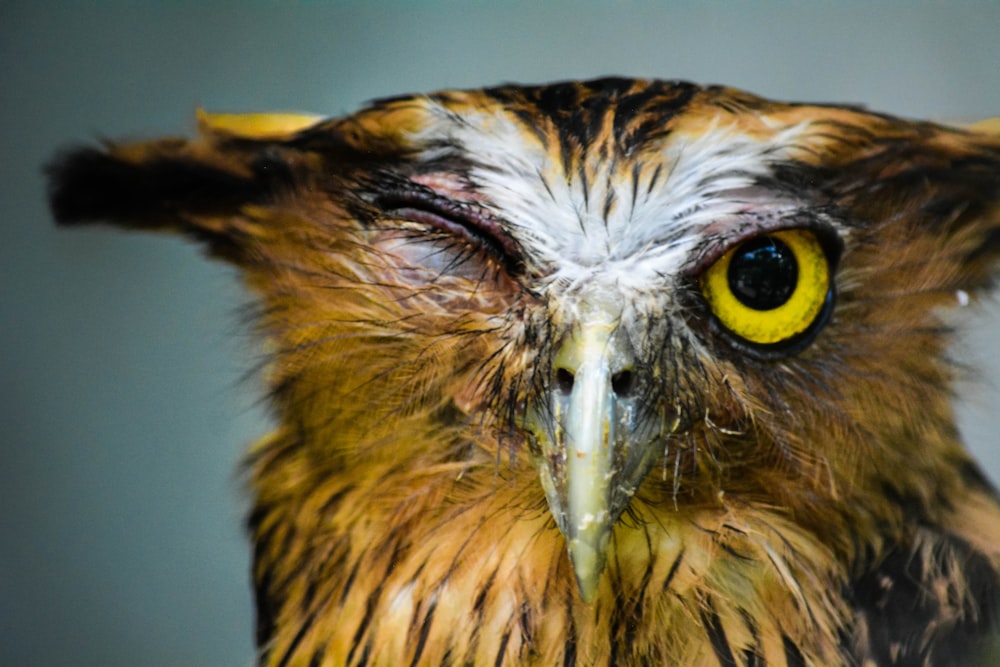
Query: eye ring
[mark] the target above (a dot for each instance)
(771, 290)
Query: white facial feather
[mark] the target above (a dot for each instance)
(697, 186)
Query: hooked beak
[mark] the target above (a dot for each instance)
(593, 446)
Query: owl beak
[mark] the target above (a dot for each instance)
(589, 443)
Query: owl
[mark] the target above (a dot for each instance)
(609, 372)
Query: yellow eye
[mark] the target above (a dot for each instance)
(770, 288)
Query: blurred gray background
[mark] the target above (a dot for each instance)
(125, 401)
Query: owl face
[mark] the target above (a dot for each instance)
(658, 294)
(634, 252)
(623, 275)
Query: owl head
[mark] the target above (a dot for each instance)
(650, 293)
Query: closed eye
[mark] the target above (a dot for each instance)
(464, 221)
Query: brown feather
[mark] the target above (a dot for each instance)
(807, 507)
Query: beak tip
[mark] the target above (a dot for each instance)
(587, 590)
(588, 560)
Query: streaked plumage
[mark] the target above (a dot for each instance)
(521, 423)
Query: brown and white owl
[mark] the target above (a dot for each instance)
(612, 372)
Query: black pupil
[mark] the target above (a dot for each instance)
(763, 273)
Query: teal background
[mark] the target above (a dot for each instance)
(124, 399)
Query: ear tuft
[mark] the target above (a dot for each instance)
(257, 126)
(156, 184)
(988, 126)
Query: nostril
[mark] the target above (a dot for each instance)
(564, 381)
(622, 383)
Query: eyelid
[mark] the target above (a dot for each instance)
(712, 251)
(465, 220)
